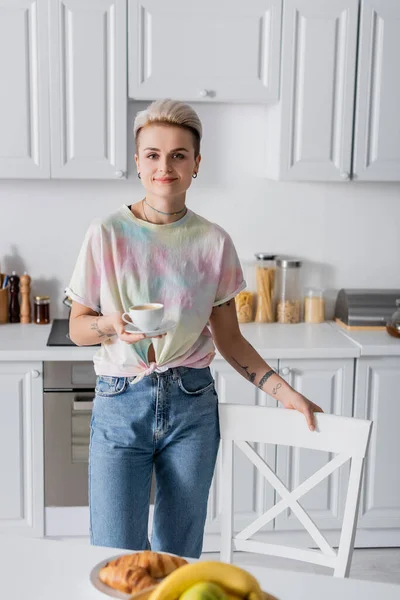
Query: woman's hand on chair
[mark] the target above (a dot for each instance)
(300, 403)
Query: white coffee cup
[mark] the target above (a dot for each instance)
(146, 317)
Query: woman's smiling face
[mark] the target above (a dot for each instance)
(166, 159)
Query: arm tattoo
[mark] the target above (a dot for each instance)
(265, 377)
(251, 376)
(94, 326)
(224, 304)
(275, 389)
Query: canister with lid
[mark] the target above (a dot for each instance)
(265, 280)
(314, 306)
(288, 290)
(245, 300)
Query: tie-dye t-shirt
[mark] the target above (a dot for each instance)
(189, 266)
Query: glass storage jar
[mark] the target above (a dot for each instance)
(288, 296)
(314, 306)
(393, 325)
(265, 281)
(245, 300)
(41, 310)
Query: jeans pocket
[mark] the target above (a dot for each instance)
(196, 382)
(109, 387)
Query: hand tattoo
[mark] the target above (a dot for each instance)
(275, 389)
(251, 376)
(265, 377)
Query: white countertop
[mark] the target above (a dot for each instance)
(372, 343)
(28, 342)
(41, 569)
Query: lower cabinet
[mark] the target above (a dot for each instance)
(328, 383)
(377, 397)
(21, 448)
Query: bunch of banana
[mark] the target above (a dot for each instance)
(234, 583)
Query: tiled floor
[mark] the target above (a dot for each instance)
(374, 564)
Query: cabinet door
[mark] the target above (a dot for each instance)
(377, 399)
(204, 51)
(252, 494)
(21, 449)
(24, 105)
(311, 136)
(377, 132)
(328, 383)
(88, 88)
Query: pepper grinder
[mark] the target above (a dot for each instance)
(14, 299)
(25, 313)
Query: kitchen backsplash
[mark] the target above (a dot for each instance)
(347, 233)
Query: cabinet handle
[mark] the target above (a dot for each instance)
(204, 93)
(119, 174)
(345, 175)
(35, 374)
(285, 371)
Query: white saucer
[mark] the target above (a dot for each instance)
(164, 327)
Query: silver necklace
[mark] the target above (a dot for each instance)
(164, 213)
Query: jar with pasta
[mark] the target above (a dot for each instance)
(288, 296)
(245, 299)
(265, 281)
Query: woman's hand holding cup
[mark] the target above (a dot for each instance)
(117, 324)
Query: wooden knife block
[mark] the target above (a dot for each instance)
(4, 308)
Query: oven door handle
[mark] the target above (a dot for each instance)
(82, 405)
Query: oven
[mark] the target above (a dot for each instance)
(68, 401)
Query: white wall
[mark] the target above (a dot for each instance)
(347, 233)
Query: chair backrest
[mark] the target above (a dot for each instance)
(346, 437)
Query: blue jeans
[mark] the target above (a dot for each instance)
(167, 420)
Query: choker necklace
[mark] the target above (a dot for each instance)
(164, 213)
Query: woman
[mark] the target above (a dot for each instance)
(155, 401)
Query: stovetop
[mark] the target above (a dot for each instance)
(59, 335)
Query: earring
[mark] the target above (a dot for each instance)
(139, 176)
(194, 175)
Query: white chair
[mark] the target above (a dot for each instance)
(346, 437)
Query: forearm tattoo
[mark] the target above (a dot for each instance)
(95, 327)
(251, 376)
(276, 388)
(265, 377)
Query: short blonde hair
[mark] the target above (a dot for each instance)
(170, 112)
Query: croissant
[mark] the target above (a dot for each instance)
(127, 580)
(120, 572)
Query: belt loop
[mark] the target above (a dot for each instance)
(175, 374)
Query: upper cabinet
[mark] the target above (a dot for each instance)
(69, 56)
(309, 134)
(328, 126)
(204, 51)
(377, 132)
(88, 91)
(24, 98)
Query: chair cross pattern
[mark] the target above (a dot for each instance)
(345, 436)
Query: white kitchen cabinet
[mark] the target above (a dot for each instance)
(24, 103)
(377, 398)
(21, 448)
(204, 51)
(309, 133)
(88, 92)
(252, 494)
(328, 383)
(377, 120)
